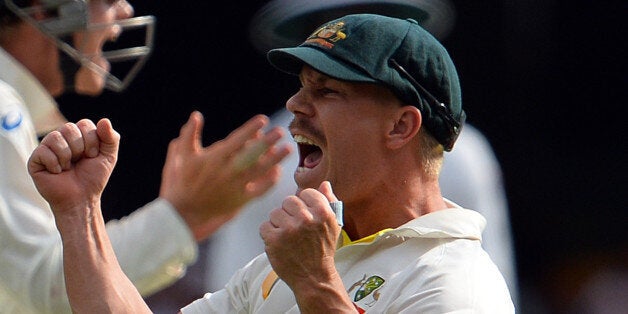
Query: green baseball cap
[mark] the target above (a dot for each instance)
(394, 52)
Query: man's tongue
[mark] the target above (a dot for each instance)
(312, 159)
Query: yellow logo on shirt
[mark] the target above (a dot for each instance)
(367, 289)
(269, 283)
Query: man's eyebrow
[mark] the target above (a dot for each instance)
(316, 80)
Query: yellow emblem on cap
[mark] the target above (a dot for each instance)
(327, 35)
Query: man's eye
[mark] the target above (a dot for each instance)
(326, 91)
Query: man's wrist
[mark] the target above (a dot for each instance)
(323, 296)
(73, 217)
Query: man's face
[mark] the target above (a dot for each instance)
(340, 129)
(90, 43)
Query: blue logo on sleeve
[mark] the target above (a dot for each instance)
(11, 120)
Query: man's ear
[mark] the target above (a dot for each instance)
(406, 126)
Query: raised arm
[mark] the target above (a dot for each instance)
(70, 170)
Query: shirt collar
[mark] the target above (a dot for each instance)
(452, 222)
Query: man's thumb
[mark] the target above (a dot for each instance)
(326, 189)
(334, 203)
(191, 132)
(109, 138)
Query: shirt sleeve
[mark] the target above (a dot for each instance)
(241, 294)
(217, 302)
(31, 269)
(153, 245)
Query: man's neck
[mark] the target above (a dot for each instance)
(391, 206)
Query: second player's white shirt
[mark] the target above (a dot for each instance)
(432, 264)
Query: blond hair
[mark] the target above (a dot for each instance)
(431, 152)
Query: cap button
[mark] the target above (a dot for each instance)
(413, 21)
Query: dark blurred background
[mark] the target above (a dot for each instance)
(544, 80)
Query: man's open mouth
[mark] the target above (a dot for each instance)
(310, 154)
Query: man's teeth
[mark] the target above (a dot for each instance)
(303, 140)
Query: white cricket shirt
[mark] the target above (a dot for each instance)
(432, 264)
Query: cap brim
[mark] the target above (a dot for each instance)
(291, 60)
(286, 23)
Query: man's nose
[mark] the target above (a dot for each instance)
(299, 104)
(124, 10)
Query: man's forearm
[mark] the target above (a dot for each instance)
(94, 280)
